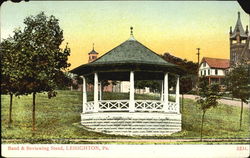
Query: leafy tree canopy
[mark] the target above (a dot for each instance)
(41, 58)
(208, 94)
(237, 82)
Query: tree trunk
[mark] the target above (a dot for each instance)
(182, 102)
(241, 111)
(202, 120)
(10, 110)
(33, 112)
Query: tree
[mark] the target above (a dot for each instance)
(42, 60)
(208, 97)
(186, 85)
(10, 70)
(188, 66)
(237, 82)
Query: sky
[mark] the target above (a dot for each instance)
(163, 26)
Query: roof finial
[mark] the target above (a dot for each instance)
(131, 34)
(131, 31)
(93, 46)
(238, 15)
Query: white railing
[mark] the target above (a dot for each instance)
(123, 105)
(172, 107)
(89, 106)
(148, 105)
(113, 105)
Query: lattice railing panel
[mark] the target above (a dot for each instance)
(89, 106)
(148, 105)
(113, 105)
(172, 107)
(123, 105)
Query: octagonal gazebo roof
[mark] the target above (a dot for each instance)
(130, 55)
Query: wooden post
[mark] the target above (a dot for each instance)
(100, 91)
(84, 94)
(162, 89)
(132, 93)
(96, 106)
(165, 94)
(177, 94)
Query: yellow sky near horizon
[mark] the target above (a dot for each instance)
(163, 26)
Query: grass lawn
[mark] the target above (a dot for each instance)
(59, 117)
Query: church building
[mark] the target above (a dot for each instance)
(239, 43)
(214, 68)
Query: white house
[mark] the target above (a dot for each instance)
(214, 69)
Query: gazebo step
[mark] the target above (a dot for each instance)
(133, 124)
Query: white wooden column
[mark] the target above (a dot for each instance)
(96, 106)
(84, 94)
(165, 94)
(162, 88)
(100, 91)
(177, 94)
(131, 93)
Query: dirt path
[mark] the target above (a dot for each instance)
(223, 101)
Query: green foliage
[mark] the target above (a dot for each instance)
(10, 69)
(208, 97)
(42, 59)
(237, 82)
(186, 83)
(188, 66)
(209, 94)
(33, 61)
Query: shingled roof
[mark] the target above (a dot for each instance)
(238, 28)
(129, 55)
(216, 62)
(131, 51)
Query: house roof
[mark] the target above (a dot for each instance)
(93, 52)
(238, 28)
(216, 62)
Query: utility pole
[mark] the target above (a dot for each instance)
(198, 54)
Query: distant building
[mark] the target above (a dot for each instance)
(92, 55)
(214, 69)
(239, 43)
(120, 86)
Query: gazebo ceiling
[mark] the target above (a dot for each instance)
(124, 75)
(130, 55)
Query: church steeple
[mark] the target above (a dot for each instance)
(238, 30)
(238, 42)
(93, 54)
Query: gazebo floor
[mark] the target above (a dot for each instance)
(136, 123)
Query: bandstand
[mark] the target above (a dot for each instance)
(130, 61)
